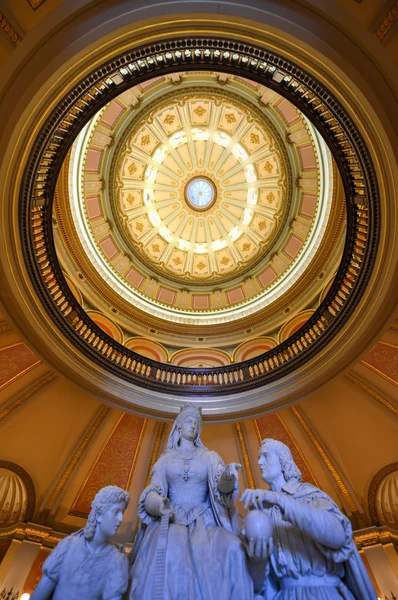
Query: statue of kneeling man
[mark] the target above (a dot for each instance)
(86, 564)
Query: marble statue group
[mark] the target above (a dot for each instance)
(295, 543)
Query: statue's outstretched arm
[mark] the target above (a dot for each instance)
(44, 590)
(230, 475)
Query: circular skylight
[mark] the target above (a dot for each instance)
(200, 193)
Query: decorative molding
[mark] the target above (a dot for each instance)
(36, 3)
(371, 536)
(160, 427)
(31, 532)
(374, 484)
(394, 326)
(26, 478)
(9, 30)
(16, 360)
(388, 21)
(383, 361)
(41, 383)
(349, 500)
(93, 428)
(279, 74)
(273, 426)
(5, 327)
(245, 455)
(354, 379)
(114, 464)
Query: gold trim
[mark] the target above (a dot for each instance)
(21, 373)
(257, 430)
(371, 392)
(327, 461)
(49, 378)
(245, 456)
(36, 3)
(9, 30)
(102, 413)
(374, 536)
(32, 532)
(388, 21)
(391, 344)
(394, 326)
(137, 451)
(213, 187)
(5, 327)
(299, 450)
(77, 513)
(378, 372)
(160, 427)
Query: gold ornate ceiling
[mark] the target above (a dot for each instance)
(136, 241)
(199, 137)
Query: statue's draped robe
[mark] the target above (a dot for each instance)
(301, 566)
(205, 559)
(80, 573)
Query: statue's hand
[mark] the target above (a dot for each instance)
(262, 499)
(259, 548)
(231, 470)
(253, 497)
(270, 499)
(165, 509)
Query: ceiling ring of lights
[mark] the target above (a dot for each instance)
(313, 99)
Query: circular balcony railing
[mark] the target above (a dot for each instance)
(105, 83)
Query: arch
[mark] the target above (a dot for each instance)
(373, 488)
(107, 325)
(294, 324)
(147, 348)
(200, 358)
(253, 348)
(26, 478)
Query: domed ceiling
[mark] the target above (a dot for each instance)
(202, 214)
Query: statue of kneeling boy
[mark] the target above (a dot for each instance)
(87, 564)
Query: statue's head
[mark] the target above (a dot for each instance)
(107, 510)
(275, 458)
(188, 425)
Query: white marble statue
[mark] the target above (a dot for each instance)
(313, 556)
(86, 564)
(189, 548)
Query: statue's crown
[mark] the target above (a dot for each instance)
(189, 406)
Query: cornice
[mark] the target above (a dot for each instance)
(372, 392)
(387, 22)
(9, 31)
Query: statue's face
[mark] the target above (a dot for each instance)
(190, 428)
(269, 463)
(110, 520)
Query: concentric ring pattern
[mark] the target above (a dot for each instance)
(172, 271)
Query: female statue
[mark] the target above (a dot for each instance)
(189, 549)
